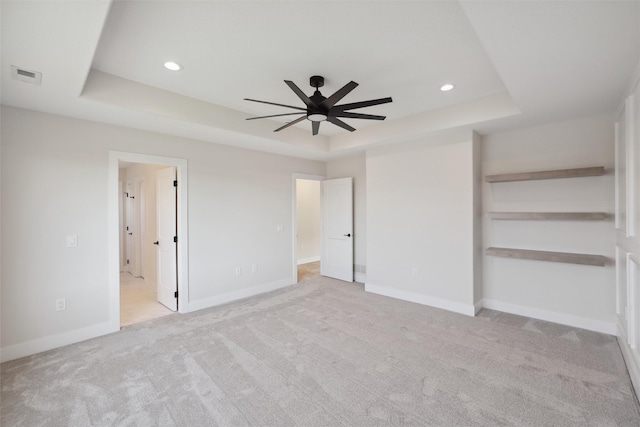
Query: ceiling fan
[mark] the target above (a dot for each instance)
(320, 108)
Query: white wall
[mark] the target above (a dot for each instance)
(356, 168)
(420, 209)
(573, 294)
(308, 220)
(628, 228)
(59, 169)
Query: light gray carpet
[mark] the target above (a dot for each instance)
(326, 353)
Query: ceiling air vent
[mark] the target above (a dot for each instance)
(33, 77)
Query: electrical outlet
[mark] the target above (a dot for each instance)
(254, 268)
(279, 228)
(238, 271)
(61, 304)
(414, 272)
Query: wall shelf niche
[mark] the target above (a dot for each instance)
(551, 174)
(565, 257)
(549, 216)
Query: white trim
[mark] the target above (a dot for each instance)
(444, 304)
(630, 167)
(294, 219)
(113, 227)
(477, 307)
(237, 295)
(54, 341)
(360, 277)
(113, 245)
(633, 364)
(617, 178)
(552, 316)
(632, 269)
(308, 260)
(620, 253)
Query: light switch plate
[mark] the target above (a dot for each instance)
(72, 241)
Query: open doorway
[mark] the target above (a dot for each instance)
(307, 226)
(139, 260)
(116, 243)
(308, 229)
(322, 212)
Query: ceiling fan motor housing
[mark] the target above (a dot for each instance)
(320, 112)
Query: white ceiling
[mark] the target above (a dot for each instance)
(514, 63)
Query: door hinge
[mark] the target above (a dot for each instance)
(175, 183)
(175, 294)
(175, 239)
(127, 261)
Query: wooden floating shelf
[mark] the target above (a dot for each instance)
(561, 216)
(570, 258)
(553, 174)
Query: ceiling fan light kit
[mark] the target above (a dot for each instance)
(320, 108)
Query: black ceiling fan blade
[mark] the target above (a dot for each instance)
(350, 115)
(274, 115)
(361, 104)
(308, 102)
(273, 103)
(315, 127)
(340, 93)
(291, 123)
(340, 123)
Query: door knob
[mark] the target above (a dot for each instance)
(347, 235)
(156, 243)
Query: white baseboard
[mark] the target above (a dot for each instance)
(631, 358)
(360, 277)
(237, 295)
(444, 304)
(552, 316)
(308, 260)
(54, 341)
(477, 307)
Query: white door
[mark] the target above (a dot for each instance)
(141, 203)
(167, 238)
(337, 229)
(128, 229)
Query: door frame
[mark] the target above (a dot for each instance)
(294, 222)
(113, 243)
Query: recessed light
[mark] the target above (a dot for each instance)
(447, 87)
(172, 66)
